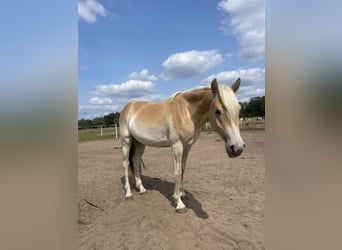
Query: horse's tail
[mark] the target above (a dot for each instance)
(131, 154)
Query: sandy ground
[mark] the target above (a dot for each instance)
(225, 198)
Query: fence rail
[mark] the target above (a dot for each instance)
(250, 125)
(99, 133)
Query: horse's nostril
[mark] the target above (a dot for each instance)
(232, 148)
(244, 145)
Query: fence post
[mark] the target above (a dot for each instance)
(116, 130)
(101, 131)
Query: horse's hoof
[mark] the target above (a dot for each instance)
(181, 210)
(144, 192)
(127, 198)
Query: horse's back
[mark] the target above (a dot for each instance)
(147, 122)
(142, 110)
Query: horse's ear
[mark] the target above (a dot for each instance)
(236, 85)
(214, 86)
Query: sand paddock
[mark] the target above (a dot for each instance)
(225, 198)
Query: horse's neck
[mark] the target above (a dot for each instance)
(199, 104)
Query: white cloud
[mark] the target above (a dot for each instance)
(152, 97)
(92, 111)
(88, 10)
(100, 101)
(128, 89)
(247, 22)
(112, 97)
(245, 93)
(252, 81)
(142, 75)
(97, 107)
(190, 63)
(248, 76)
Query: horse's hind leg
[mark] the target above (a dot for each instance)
(126, 142)
(139, 150)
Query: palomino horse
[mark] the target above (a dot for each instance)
(176, 123)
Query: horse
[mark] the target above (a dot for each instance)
(176, 122)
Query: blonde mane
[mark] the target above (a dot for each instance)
(228, 98)
(186, 91)
(226, 95)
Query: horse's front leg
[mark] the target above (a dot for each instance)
(177, 152)
(186, 151)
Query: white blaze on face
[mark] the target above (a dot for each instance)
(236, 137)
(234, 142)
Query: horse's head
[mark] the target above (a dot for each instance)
(224, 116)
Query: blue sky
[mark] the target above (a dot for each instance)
(150, 49)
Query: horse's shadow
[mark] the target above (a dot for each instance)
(166, 189)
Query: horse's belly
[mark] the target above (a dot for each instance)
(152, 137)
(159, 144)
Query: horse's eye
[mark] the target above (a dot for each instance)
(217, 111)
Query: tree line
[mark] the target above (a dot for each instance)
(255, 107)
(106, 121)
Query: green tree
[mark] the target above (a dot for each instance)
(98, 121)
(255, 107)
(83, 123)
(243, 109)
(111, 119)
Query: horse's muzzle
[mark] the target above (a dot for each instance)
(234, 151)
